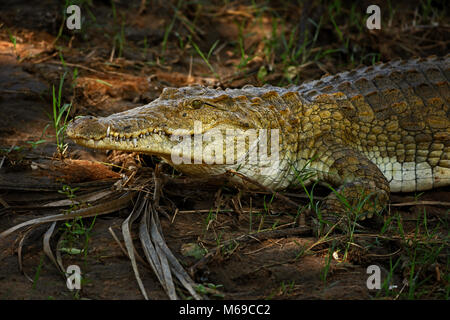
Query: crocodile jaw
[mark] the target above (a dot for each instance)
(102, 133)
(156, 128)
(98, 133)
(108, 134)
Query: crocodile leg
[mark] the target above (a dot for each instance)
(363, 189)
(395, 113)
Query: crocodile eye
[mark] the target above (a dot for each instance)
(197, 104)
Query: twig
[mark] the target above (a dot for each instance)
(75, 65)
(424, 202)
(46, 58)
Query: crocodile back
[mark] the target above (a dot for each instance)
(397, 114)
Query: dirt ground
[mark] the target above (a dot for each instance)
(124, 55)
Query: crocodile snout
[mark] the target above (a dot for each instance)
(87, 127)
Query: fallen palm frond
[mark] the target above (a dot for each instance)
(176, 267)
(101, 209)
(104, 208)
(19, 252)
(126, 226)
(94, 196)
(158, 255)
(47, 248)
(160, 258)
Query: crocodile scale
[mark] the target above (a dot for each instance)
(366, 132)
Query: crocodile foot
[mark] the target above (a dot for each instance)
(362, 192)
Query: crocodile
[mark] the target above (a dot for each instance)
(365, 132)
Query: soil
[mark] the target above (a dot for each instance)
(112, 76)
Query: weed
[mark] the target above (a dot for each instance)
(386, 286)
(37, 274)
(391, 11)
(250, 217)
(119, 36)
(326, 268)
(352, 214)
(70, 194)
(34, 144)
(422, 259)
(63, 22)
(166, 35)
(417, 196)
(268, 205)
(228, 249)
(421, 252)
(168, 29)
(262, 74)
(104, 82)
(333, 11)
(75, 229)
(301, 252)
(210, 289)
(206, 58)
(59, 117)
(209, 219)
(388, 223)
(244, 58)
(427, 10)
(285, 289)
(181, 42)
(304, 176)
(121, 39)
(13, 40)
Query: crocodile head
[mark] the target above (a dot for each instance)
(177, 115)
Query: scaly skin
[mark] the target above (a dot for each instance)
(367, 132)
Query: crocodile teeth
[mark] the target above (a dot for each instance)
(135, 142)
(107, 131)
(140, 136)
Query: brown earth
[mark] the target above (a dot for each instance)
(112, 77)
